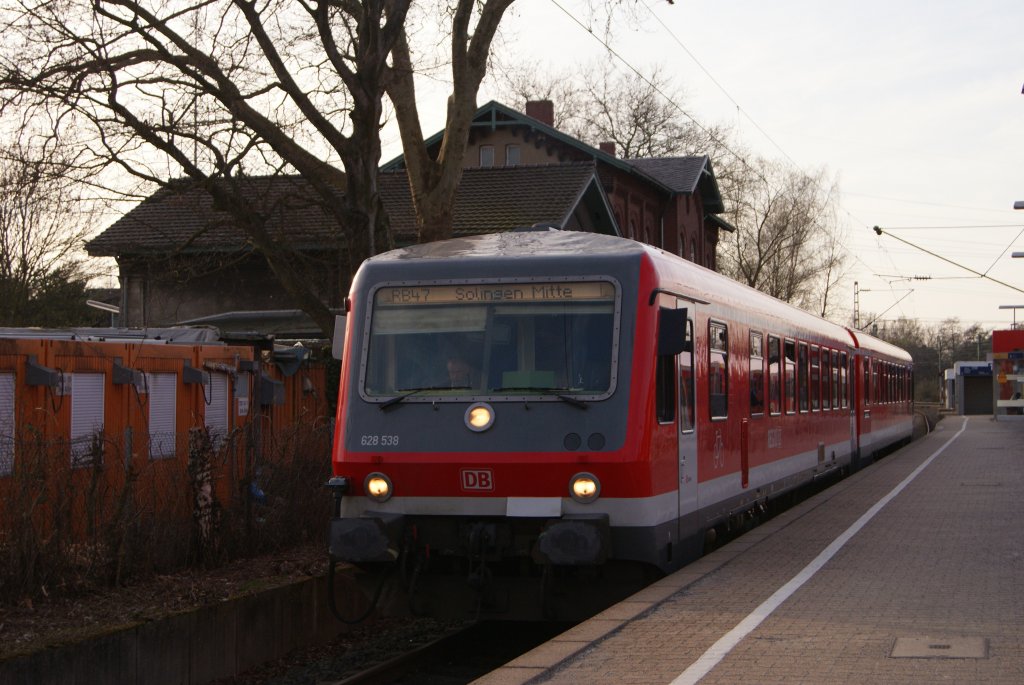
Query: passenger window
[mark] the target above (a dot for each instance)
(826, 380)
(756, 374)
(875, 386)
(789, 375)
(867, 381)
(686, 417)
(815, 378)
(718, 370)
(803, 364)
(665, 388)
(774, 375)
(846, 374)
(836, 388)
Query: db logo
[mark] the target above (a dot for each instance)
(479, 479)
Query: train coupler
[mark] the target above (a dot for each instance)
(581, 540)
(373, 537)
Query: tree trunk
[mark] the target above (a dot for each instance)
(433, 182)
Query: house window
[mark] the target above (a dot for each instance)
(693, 250)
(217, 408)
(511, 155)
(86, 418)
(487, 156)
(6, 423)
(163, 398)
(718, 370)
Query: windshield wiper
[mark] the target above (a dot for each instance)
(409, 392)
(556, 392)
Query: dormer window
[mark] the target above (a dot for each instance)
(486, 156)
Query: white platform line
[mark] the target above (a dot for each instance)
(718, 651)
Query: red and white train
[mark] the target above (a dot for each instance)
(527, 406)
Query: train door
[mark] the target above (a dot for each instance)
(849, 400)
(860, 414)
(688, 504)
(866, 400)
(676, 411)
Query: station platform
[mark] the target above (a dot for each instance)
(909, 571)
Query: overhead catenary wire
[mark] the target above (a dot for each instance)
(880, 231)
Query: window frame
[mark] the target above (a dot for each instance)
(487, 150)
(513, 150)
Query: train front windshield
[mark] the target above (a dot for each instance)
(537, 338)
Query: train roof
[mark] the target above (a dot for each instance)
(693, 280)
(528, 242)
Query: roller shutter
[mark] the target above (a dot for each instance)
(163, 397)
(86, 415)
(6, 423)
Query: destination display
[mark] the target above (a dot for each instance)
(486, 293)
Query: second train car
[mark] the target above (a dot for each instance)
(523, 407)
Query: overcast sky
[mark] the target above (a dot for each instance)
(916, 106)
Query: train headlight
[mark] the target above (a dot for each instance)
(377, 486)
(479, 417)
(584, 487)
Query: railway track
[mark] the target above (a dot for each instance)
(459, 656)
(405, 652)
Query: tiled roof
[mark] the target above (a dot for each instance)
(681, 174)
(684, 175)
(496, 199)
(182, 217)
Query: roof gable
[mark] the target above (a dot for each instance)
(672, 175)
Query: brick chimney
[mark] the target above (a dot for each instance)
(541, 110)
(607, 147)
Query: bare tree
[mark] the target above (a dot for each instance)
(787, 241)
(214, 91)
(42, 227)
(643, 114)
